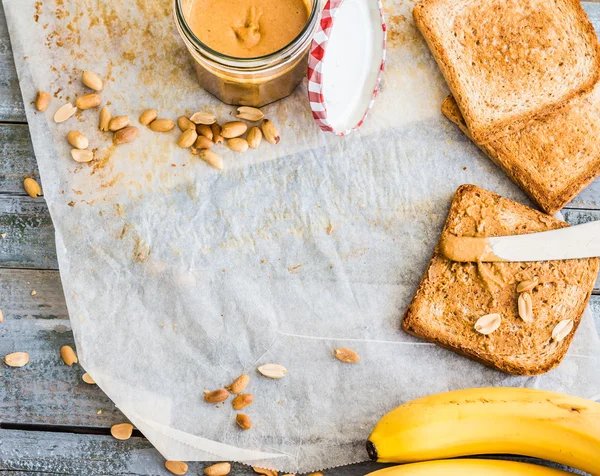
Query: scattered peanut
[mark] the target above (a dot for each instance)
(562, 330)
(272, 370)
(148, 116)
(187, 138)
(249, 113)
(270, 132)
(266, 472)
(121, 431)
(216, 396)
(87, 378)
(346, 355)
(216, 130)
(128, 134)
(238, 144)
(239, 384)
(203, 143)
(78, 140)
(233, 129)
(64, 112)
(219, 469)
(176, 467)
(162, 125)
(203, 117)
(204, 130)
(117, 123)
(317, 473)
(1, 316)
(105, 117)
(526, 286)
(184, 123)
(92, 80)
(242, 401)
(80, 155)
(525, 306)
(244, 421)
(88, 101)
(42, 101)
(254, 138)
(32, 188)
(16, 359)
(212, 159)
(487, 324)
(68, 355)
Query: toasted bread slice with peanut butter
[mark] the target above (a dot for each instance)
(453, 296)
(508, 62)
(551, 159)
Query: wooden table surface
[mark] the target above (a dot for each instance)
(51, 422)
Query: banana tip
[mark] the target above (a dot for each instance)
(371, 450)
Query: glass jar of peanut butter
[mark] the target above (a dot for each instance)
(248, 52)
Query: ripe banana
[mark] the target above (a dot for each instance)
(470, 467)
(475, 421)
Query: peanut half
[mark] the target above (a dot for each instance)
(162, 125)
(346, 355)
(270, 132)
(64, 112)
(176, 467)
(87, 378)
(239, 384)
(121, 431)
(184, 123)
(525, 306)
(187, 138)
(216, 396)
(80, 155)
(16, 359)
(105, 117)
(249, 113)
(212, 159)
(117, 123)
(88, 101)
(78, 140)
(525, 286)
(127, 134)
(148, 116)
(562, 330)
(42, 101)
(242, 401)
(243, 421)
(68, 355)
(203, 117)
(233, 129)
(216, 130)
(266, 472)
(219, 469)
(204, 130)
(272, 370)
(487, 324)
(203, 143)
(92, 80)
(254, 138)
(32, 188)
(237, 144)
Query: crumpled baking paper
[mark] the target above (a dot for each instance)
(178, 277)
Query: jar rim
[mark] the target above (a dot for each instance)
(282, 54)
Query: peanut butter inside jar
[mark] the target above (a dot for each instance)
(248, 52)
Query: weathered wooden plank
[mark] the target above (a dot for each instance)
(29, 239)
(70, 454)
(11, 104)
(16, 158)
(45, 391)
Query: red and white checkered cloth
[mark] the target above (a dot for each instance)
(315, 66)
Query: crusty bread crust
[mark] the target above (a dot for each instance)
(452, 296)
(552, 159)
(551, 51)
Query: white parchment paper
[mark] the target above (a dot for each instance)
(178, 278)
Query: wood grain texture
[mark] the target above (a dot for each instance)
(11, 104)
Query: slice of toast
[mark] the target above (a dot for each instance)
(507, 62)
(453, 296)
(551, 159)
